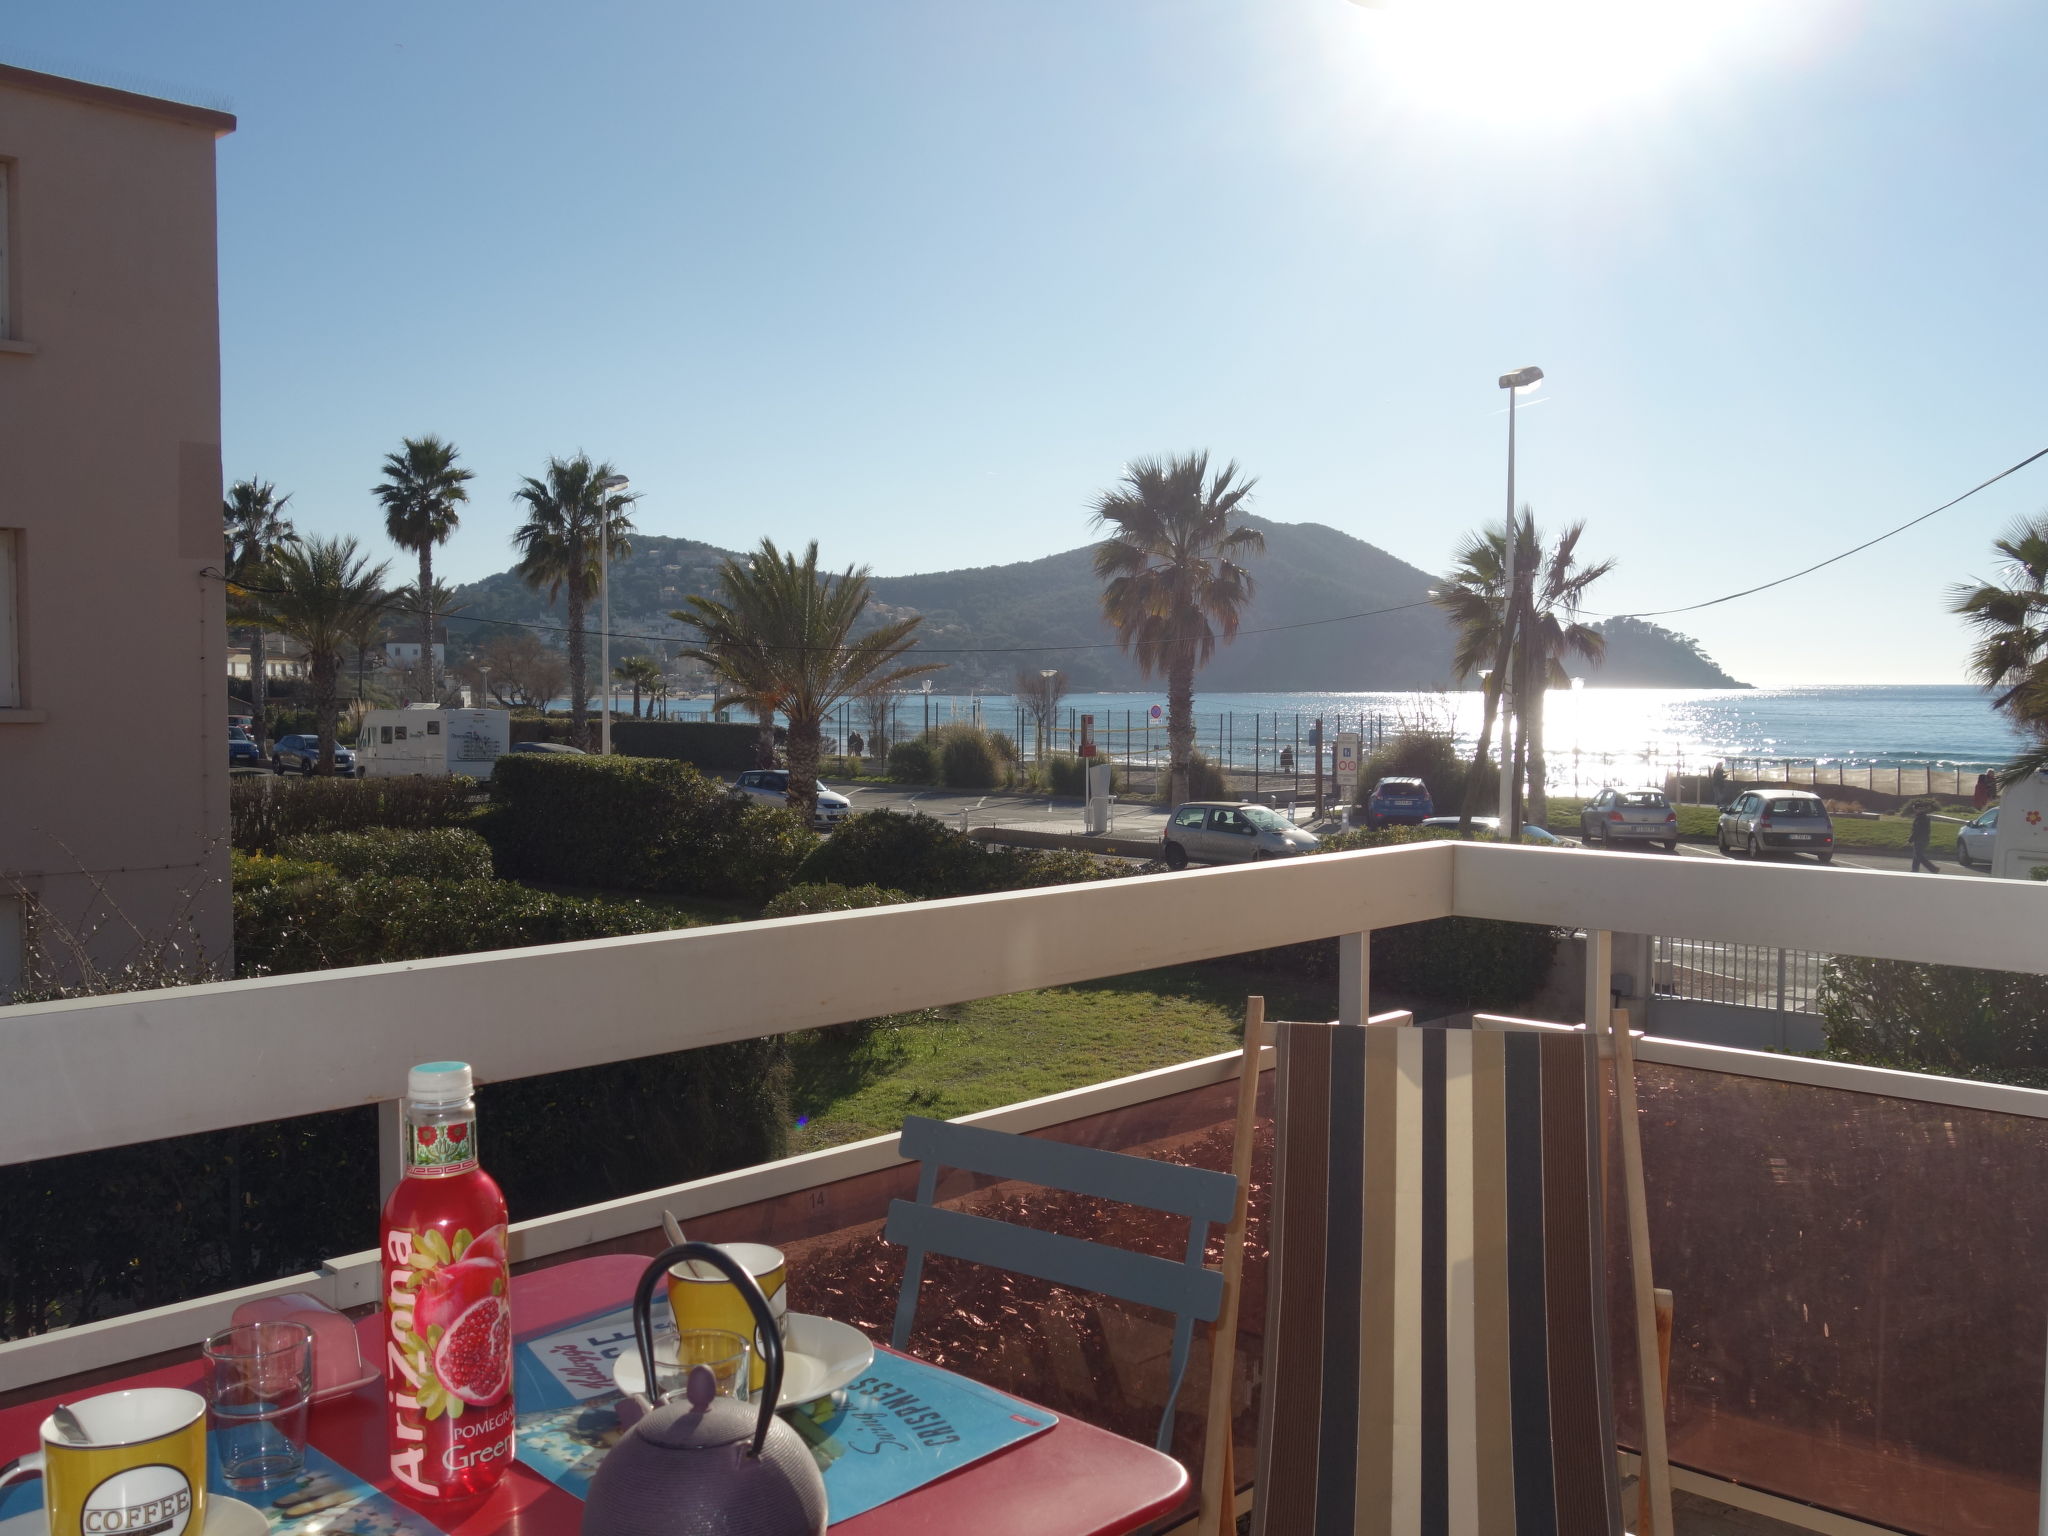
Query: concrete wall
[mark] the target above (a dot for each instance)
(113, 787)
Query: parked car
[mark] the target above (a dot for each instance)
(303, 753)
(1398, 803)
(242, 750)
(1230, 832)
(772, 785)
(557, 747)
(1974, 841)
(1629, 816)
(1489, 826)
(1767, 821)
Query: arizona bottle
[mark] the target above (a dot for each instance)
(447, 1308)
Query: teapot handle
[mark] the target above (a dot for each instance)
(765, 1330)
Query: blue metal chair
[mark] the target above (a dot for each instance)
(1186, 1289)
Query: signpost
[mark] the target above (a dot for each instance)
(1348, 744)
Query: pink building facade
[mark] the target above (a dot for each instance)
(113, 644)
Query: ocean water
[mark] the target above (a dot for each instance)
(1944, 725)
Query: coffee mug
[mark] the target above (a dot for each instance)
(142, 1474)
(703, 1298)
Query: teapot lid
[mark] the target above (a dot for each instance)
(698, 1420)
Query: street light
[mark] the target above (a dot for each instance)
(1520, 379)
(604, 586)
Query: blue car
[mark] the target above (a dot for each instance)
(242, 751)
(1399, 803)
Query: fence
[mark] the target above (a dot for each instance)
(1747, 975)
(1920, 779)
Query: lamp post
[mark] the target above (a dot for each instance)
(485, 701)
(604, 488)
(1520, 379)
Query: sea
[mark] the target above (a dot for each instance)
(1668, 729)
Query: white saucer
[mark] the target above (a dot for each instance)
(823, 1356)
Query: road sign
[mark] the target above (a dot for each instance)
(1156, 711)
(1348, 744)
(1087, 735)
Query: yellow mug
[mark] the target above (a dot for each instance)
(142, 1474)
(701, 1297)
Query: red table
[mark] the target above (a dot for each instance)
(1073, 1480)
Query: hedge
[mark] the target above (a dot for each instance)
(638, 824)
(802, 900)
(960, 755)
(263, 809)
(926, 859)
(437, 853)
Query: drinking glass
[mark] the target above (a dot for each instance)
(259, 1380)
(727, 1354)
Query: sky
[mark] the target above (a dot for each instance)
(916, 278)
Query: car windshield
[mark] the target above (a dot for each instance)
(1795, 808)
(1263, 819)
(1646, 800)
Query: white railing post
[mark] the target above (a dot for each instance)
(1354, 977)
(390, 1147)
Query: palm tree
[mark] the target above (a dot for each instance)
(2010, 659)
(253, 514)
(421, 488)
(638, 673)
(558, 549)
(1170, 584)
(781, 633)
(327, 597)
(1552, 586)
(406, 602)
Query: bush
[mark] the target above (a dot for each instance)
(260, 871)
(1948, 1019)
(639, 824)
(911, 762)
(264, 810)
(927, 860)
(967, 757)
(1431, 756)
(1205, 781)
(1065, 774)
(438, 853)
(802, 900)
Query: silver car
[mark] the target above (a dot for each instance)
(1629, 816)
(772, 785)
(1974, 840)
(1226, 832)
(1777, 821)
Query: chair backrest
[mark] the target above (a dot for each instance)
(1187, 1289)
(1436, 1337)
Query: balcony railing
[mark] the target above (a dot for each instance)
(1856, 1253)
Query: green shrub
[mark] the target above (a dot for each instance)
(1949, 1019)
(436, 853)
(837, 767)
(911, 762)
(260, 871)
(264, 810)
(1461, 963)
(1003, 747)
(1431, 756)
(1205, 781)
(1065, 774)
(639, 824)
(926, 859)
(802, 900)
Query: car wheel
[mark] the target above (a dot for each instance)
(1825, 858)
(1963, 856)
(306, 769)
(1756, 850)
(277, 768)
(1176, 856)
(1671, 847)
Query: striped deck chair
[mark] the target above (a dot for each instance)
(1436, 1339)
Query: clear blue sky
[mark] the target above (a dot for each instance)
(915, 277)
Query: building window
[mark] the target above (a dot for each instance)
(10, 642)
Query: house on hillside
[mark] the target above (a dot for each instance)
(112, 613)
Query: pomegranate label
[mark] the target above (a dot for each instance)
(449, 1354)
(449, 1147)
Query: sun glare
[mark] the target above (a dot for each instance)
(1531, 62)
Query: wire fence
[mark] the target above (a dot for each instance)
(1749, 975)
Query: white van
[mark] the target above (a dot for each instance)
(2021, 842)
(425, 740)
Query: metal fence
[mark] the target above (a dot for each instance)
(1749, 975)
(1910, 779)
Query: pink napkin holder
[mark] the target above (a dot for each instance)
(338, 1367)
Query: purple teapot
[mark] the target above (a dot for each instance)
(701, 1464)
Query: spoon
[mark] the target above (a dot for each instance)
(68, 1425)
(674, 1229)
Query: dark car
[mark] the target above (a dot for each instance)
(242, 751)
(303, 753)
(1399, 803)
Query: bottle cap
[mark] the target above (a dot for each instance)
(438, 1082)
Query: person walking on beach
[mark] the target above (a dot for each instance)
(1918, 838)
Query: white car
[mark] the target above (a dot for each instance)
(1974, 841)
(1230, 832)
(772, 785)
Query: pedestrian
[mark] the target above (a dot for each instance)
(1287, 759)
(854, 745)
(1985, 792)
(1918, 838)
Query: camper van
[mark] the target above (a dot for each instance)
(424, 740)
(2021, 844)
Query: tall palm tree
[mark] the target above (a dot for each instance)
(256, 527)
(328, 597)
(420, 491)
(1171, 584)
(2010, 659)
(640, 673)
(1552, 587)
(558, 549)
(783, 631)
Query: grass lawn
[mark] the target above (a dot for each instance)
(972, 1056)
(1696, 824)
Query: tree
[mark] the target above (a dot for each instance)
(640, 673)
(1170, 583)
(783, 632)
(418, 682)
(421, 488)
(328, 597)
(520, 670)
(878, 714)
(569, 516)
(2010, 615)
(1040, 693)
(256, 527)
(1550, 588)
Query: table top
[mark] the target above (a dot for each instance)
(1073, 1480)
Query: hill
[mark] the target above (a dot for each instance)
(1045, 613)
